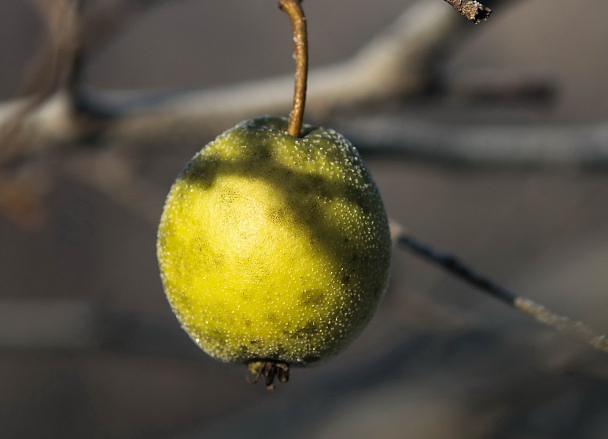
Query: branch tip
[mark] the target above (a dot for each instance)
(471, 9)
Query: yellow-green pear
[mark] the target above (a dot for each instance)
(274, 249)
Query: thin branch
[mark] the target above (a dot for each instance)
(561, 323)
(463, 271)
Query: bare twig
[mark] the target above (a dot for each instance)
(561, 323)
(472, 9)
(458, 268)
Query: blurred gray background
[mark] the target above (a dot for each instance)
(439, 360)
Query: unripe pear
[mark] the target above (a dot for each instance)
(274, 249)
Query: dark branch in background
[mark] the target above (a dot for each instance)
(62, 21)
(73, 32)
(51, 67)
(395, 63)
(59, 116)
(488, 144)
(53, 88)
(73, 28)
(473, 10)
(463, 271)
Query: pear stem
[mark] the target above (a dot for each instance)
(293, 8)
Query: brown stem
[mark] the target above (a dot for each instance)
(293, 8)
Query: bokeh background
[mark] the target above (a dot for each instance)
(439, 360)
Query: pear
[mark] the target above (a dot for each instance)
(274, 250)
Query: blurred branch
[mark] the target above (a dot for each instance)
(56, 58)
(480, 144)
(72, 28)
(73, 32)
(62, 18)
(498, 86)
(463, 271)
(395, 63)
(401, 55)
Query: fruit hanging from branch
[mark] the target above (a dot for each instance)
(273, 245)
